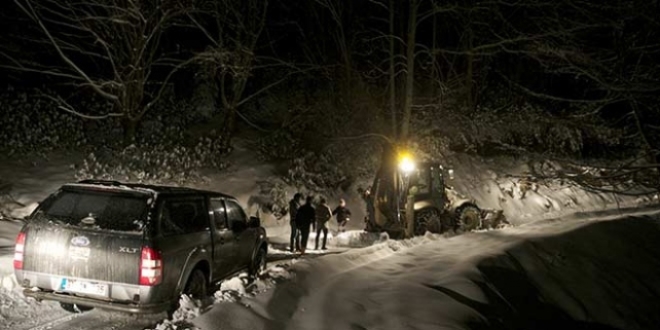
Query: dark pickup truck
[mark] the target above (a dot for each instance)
(134, 247)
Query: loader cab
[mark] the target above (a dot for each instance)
(427, 185)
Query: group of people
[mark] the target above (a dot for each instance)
(303, 216)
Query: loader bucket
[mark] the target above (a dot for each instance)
(491, 219)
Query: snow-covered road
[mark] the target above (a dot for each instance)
(595, 270)
(562, 273)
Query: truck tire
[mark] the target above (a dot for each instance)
(75, 308)
(258, 264)
(468, 218)
(196, 287)
(427, 220)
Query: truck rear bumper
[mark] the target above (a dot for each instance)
(103, 304)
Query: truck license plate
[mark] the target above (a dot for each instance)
(77, 286)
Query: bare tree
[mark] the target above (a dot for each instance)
(623, 70)
(392, 68)
(604, 52)
(419, 11)
(233, 28)
(112, 48)
(411, 42)
(340, 12)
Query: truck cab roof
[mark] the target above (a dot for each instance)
(141, 188)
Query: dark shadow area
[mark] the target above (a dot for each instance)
(521, 307)
(284, 303)
(606, 271)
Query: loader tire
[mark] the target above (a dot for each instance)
(427, 220)
(468, 218)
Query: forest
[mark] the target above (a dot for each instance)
(154, 90)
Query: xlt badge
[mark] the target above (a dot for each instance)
(128, 249)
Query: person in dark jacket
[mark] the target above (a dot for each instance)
(294, 205)
(323, 215)
(343, 215)
(305, 217)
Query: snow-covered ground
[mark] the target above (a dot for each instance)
(567, 273)
(551, 273)
(574, 272)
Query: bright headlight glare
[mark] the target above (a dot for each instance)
(406, 165)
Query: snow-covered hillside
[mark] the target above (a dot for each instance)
(555, 268)
(495, 183)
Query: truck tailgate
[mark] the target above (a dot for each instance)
(76, 253)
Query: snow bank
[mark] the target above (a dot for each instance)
(17, 310)
(510, 184)
(232, 291)
(8, 231)
(356, 239)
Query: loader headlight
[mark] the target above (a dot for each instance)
(406, 164)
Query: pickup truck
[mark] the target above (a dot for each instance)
(134, 247)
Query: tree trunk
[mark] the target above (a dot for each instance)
(469, 79)
(434, 68)
(410, 71)
(228, 125)
(469, 88)
(649, 147)
(130, 130)
(393, 111)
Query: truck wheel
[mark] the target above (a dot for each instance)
(427, 220)
(258, 264)
(75, 308)
(468, 218)
(196, 286)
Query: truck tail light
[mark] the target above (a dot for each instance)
(19, 251)
(151, 267)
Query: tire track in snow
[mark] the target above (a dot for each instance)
(100, 320)
(53, 323)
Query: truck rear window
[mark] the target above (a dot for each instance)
(103, 210)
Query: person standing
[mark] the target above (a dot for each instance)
(343, 215)
(369, 200)
(305, 217)
(323, 215)
(294, 205)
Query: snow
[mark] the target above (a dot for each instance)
(495, 183)
(17, 310)
(511, 185)
(553, 274)
(8, 231)
(566, 263)
(568, 272)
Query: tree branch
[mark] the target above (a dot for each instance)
(63, 105)
(32, 13)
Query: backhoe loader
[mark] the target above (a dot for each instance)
(408, 199)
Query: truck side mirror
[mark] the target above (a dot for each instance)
(254, 222)
(451, 174)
